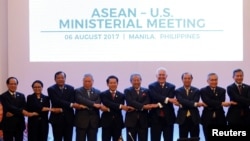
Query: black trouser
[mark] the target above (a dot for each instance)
(162, 126)
(62, 132)
(113, 132)
(137, 131)
(189, 127)
(90, 133)
(13, 135)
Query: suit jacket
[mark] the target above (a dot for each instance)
(114, 116)
(188, 104)
(90, 116)
(158, 94)
(213, 101)
(137, 101)
(14, 106)
(62, 100)
(242, 99)
(35, 105)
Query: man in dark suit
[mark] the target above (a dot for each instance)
(136, 121)
(163, 117)
(14, 111)
(213, 115)
(87, 118)
(239, 93)
(62, 114)
(112, 120)
(188, 116)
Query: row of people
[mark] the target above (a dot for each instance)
(145, 107)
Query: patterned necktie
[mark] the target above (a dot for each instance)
(240, 88)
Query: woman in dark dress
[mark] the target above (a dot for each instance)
(38, 126)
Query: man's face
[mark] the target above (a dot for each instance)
(87, 82)
(136, 82)
(238, 77)
(212, 81)
(187, 80)
(60, 79)
(112, 84)
(161, 76)
(12, 86)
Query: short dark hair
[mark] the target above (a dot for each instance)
(237, 70)
(188, 73)
(111, 77)
(8, 80)
(37, 81)
(60, 72)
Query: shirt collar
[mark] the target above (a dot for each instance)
(238, 84)
(12, 93)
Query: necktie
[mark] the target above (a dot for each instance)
(240, 88)
(187, 91)
(88, 91)
(113, 95)
(213, 89)
(61, 88)
(137, 91)
(162, 85)
(188, 112)
(13, 95)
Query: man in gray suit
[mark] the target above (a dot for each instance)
(87, 119)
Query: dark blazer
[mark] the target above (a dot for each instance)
(137, 101)
(114, 116)
(242, 99)
(158, 95)
(213, 101)
(62, 100)
(187, 103)
(35, 105)
(14, 106)
(91, 116)
(38, 126)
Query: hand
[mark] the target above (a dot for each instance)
(177, 103)
(200, 104)
(31, 114)
(56, 110)
(104, 108)
(45, 109)
(83, 106)
(225, 104)
(96, 105)
(130, 109)
(173, 100)
(9, 114)
(154, 106)
(76, 106)
(148, 106)
(233, 103)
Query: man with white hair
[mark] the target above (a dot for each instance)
(163, 117)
